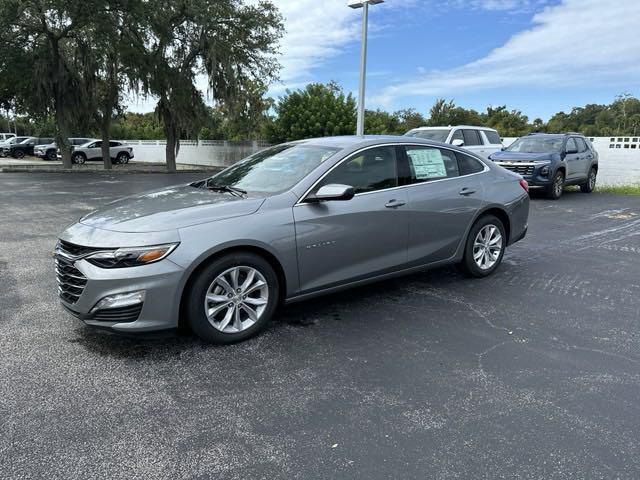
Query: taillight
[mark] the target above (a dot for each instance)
(524, 185)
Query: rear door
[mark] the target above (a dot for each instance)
(492, 142)
(343, 241)
(585, 157)
(445, 193)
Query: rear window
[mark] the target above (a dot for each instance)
(493, 137)
(468, 165)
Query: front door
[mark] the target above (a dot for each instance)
(344, 241)
(572, 159)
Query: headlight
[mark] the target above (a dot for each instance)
(130, 257)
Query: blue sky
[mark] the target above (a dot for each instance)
(538, 56)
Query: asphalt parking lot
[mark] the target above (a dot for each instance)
(531, 373)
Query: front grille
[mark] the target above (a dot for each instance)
(520, 169)
(71, 281)
(122, 314)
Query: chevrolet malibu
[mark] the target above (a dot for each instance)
(288, 223)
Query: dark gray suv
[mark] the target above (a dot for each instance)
(551, 161)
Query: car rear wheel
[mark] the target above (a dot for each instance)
(556, 188)
(18, 154)
(233, 298)
(484, 248)
(590, 186)
(122, 158)
(78, 158)
(52, 155)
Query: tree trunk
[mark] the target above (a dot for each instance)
(172, 141)
(62, 139)
(106, 151)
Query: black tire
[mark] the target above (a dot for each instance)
(122, 158)
(554, 192)
(52, 155)
(195, 300)
(468, 265)
(18, 153)
(78, 158)
(590, 186)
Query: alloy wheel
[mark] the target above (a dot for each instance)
(592, 180)
(487, 247)
(557, 185)
(236, 299)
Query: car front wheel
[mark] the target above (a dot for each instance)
(233, 298)
(18, 154)
(78, 158)
(556, 188)
(122, 158)
(485, 247)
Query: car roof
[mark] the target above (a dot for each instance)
(555, 135)
(454, 126)
(354, 141)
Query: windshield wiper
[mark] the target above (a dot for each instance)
(238, 192)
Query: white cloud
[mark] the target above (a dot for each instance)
(576, 43)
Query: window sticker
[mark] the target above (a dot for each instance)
(427, 163)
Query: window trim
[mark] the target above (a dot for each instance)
(303, 198)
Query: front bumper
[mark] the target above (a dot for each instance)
(537, 174)
(158, 311)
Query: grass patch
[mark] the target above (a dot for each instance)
(620, 189)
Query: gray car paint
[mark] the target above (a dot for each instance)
(315, 248)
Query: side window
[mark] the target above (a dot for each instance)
(114, 144)
(571, 145)
(371, 170)
(493, 137)
(430, 163)
(582, 146)
(471, 138)
(457, 135)
(468, 165)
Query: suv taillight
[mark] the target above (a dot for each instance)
(524, 185)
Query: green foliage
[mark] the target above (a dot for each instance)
(509, 123)
(445, 113)
(138, 126)
(317, 111)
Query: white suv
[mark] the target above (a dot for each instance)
(482, 141)
(6, 136)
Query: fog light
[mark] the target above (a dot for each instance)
(544, 171)
(120, 300)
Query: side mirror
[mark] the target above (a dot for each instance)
(333, 191)
(457, 142)
(503, 149)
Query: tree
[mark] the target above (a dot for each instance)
(317, 111)
(409, 119)
(445, 113)
(52, 52)
(509, 123)
(379, 122)
(231, 44)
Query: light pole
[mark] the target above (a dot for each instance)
(364, 4)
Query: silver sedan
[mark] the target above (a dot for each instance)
(288, 223)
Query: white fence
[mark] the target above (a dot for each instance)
(217, 153)
(619, 156)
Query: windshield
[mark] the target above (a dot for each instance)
(273, 170)
(438, 134)
(536, 144)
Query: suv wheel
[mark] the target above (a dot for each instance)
(78, 158)
(52, 155)
(18, 154)
(590, 186)
(555, 190)
(122, 158)
(233, 298)
(485, 247)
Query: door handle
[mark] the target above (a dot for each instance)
(395, 203)
(467, 191)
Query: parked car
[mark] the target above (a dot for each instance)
(8, 143)
(50, 151)
(92, 150)
(551, 161)
(6, 136)
(482, 141)
(26, 147)
(287, 223)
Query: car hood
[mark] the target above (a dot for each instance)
(169, 209)
(506, 156)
